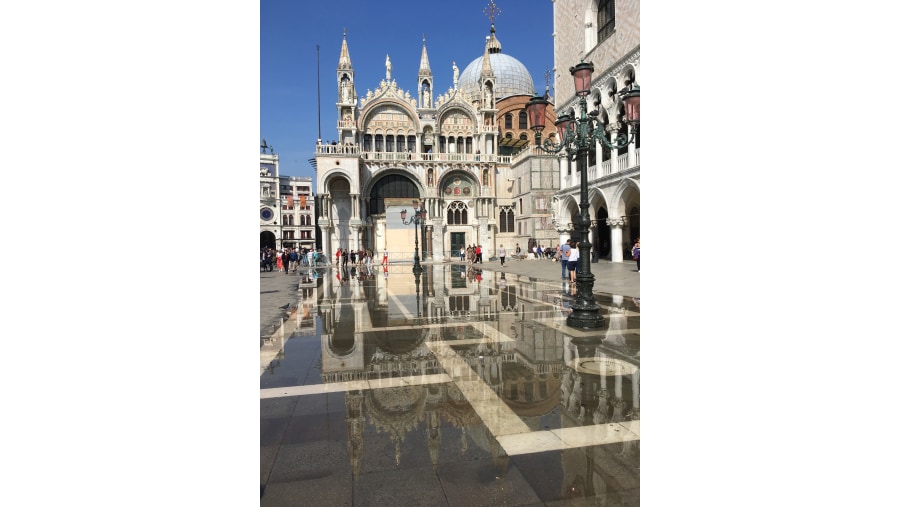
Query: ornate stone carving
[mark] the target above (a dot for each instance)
(616, 221)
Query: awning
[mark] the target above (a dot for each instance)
(517, 144)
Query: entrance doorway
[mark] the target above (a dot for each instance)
(267, 239)
(457, 241)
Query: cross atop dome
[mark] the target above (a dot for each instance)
(492, 11)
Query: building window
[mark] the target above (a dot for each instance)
(507, 121)
(507, 219)
(523, 120)
(457, 213)
(606, 19)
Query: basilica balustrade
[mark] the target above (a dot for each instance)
(392, 156)
(337, 149)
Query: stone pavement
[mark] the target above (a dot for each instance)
(277, 296)
(278, 292)
(619, 278)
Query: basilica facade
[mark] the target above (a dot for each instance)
(457, 162)
(467, 157)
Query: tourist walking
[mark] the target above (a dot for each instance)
(384, 260)
(518, 252)
(501, 252)
(478, 255)
(462, 254)
(564, 257)
(636, 253)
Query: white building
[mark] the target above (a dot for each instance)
(286, 207)
(606, 33)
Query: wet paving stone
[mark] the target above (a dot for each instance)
(450, 390)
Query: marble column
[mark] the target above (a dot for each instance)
(616, 224)
(437, 237)
(632, 156)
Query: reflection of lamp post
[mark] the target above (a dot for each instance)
(417, 273)
(580, 135)
(370, 239)
(419, 219)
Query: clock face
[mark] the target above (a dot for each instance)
(266, 213)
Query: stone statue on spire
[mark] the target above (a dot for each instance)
(387, 64)
(455, 75)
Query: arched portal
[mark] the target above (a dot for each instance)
(388, 197)
(267, 239)
(603, 234)
(392, 186)
(634, 222)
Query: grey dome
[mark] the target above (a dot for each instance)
(510, 77)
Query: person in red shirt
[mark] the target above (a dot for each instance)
(478, 255)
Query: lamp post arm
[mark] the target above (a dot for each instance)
(622, 140)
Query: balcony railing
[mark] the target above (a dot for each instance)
(605, 169)
(337, 149)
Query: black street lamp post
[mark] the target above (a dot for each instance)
(579, 136)
(418, 218)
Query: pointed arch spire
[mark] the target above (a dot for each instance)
(344, 60)
(424, 67)
(426, 81)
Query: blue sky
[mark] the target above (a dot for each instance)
(454, 31)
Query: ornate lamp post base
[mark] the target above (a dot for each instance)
(585, 311)
(585, 320)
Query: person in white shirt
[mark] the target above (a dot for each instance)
(574, 255)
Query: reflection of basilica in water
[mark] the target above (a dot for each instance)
(456, 364)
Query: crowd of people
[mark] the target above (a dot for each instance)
(471, 254)
(361, 257)
(289, 260)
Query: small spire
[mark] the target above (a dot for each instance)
(547, 76)
(486, 69)
(344, 60)
(424, 67)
